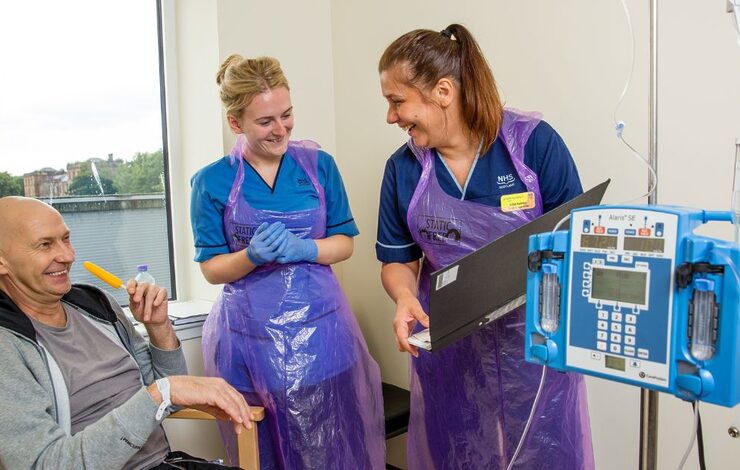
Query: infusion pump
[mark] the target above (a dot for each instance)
(631, 294)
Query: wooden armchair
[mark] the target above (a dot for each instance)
(396, 408)
(249, 456)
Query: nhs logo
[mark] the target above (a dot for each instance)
(505, 181)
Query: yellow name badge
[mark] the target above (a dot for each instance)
(517, 202)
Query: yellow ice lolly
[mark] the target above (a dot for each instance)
(105, 276)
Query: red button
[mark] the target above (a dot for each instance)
(599, 229)
(644, 232)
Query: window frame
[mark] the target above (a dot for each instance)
(165, 148)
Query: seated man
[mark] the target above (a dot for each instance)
(79, 387)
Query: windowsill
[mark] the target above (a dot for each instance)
(187, 318)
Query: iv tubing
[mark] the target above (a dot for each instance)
(731, 265)
(619, 125)
(557, 226)
(693, 436)
(632, 62)
(736, 191)
(734, 9)
(529, 420)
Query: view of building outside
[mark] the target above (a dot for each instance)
(144, 173)
(133, 230)
(81, 128)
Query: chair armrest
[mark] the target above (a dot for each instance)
(256, 414)
(246, 441)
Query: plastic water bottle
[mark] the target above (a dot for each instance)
(143, 275)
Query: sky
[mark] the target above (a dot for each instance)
(78, 79)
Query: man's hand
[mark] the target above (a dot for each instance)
(148, 303)
(408, 312)
(209, 394)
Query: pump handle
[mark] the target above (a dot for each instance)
(726, 216)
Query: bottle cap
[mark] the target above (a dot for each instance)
(142, 267)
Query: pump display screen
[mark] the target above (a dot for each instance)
(613, 362)
(599, 241)
(619, 285)
(647, 245)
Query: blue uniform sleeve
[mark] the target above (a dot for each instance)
(206, 219)
(554, 165)
(339, 220)
(395, 243)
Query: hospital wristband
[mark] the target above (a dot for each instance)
(163, 385)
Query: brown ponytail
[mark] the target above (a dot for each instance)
(429, 56)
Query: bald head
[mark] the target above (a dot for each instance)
(18, 214)
(36, 255)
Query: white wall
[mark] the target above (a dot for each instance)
(568, 59)
(194, 121)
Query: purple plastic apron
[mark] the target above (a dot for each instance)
(285, 337)
(470, 401)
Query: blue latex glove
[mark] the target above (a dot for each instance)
(266, 243)
(297, 249)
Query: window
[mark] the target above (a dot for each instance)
(82, 128)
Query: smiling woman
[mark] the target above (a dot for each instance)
(91, 141)
(470, 172)
(268, 221)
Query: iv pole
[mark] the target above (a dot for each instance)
(648, 398)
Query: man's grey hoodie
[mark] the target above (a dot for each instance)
(34, 403)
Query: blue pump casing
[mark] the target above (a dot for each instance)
(630, 278)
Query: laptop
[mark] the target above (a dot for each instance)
(491, 281)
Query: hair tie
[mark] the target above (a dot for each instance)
(446, 33)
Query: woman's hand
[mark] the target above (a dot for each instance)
(267, 243)
(399, 280)
(295, 249)
(408, 312)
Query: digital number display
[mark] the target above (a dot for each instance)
(599, 241)
(619, 285)
(613, 362)
(646, 245)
